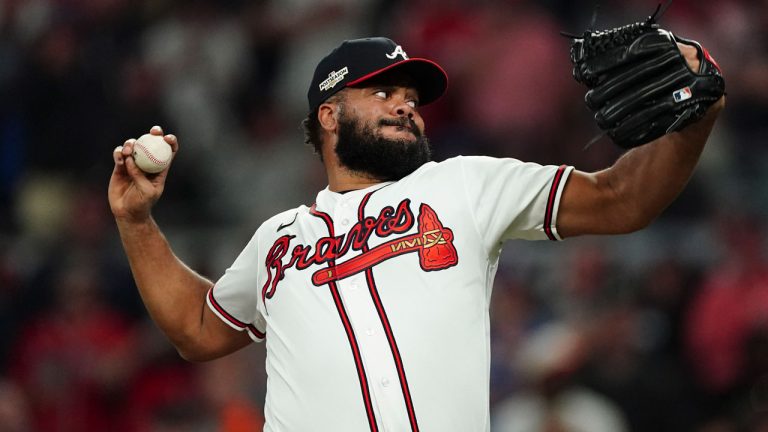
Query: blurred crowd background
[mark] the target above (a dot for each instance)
(661, 330)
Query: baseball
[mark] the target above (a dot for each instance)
(151, 153)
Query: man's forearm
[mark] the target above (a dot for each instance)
(648, 178)
(173, 294)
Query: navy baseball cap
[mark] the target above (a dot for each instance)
(357, 60)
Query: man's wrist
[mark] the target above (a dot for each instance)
(136, 223)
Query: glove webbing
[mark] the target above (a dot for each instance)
(595, 42)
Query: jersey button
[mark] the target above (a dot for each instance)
(345, 221)
(369, 331)
(385, 382)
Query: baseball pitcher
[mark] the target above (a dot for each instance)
(373, 301)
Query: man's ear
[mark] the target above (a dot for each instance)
(328, 117)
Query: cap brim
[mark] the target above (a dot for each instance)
(430, 79)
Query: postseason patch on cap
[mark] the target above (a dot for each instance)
(334, 78)
(682, 95)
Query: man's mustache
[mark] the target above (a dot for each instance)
(403, 122)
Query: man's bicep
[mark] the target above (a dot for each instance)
(217, 338)
(590, 205)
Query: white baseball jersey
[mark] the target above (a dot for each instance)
(374, 303)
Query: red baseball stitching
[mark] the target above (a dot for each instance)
(150, 155)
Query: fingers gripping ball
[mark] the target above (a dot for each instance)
(639, 84)
(151, 153)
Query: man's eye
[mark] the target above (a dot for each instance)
(381, 93)
(413, 104)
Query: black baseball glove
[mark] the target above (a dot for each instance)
(640, 86)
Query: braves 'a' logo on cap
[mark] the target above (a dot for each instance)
(397, 52)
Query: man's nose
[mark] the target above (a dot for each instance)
(404, 110)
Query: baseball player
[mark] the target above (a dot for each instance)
(373, 300)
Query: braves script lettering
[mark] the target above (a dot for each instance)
(389, 221)
(432, 242)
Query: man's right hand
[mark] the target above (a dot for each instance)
(132, 192)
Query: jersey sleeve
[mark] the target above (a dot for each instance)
(235, 296)
(511, 199)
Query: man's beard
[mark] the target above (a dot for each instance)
(362, 150)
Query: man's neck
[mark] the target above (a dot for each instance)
(341, 179)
